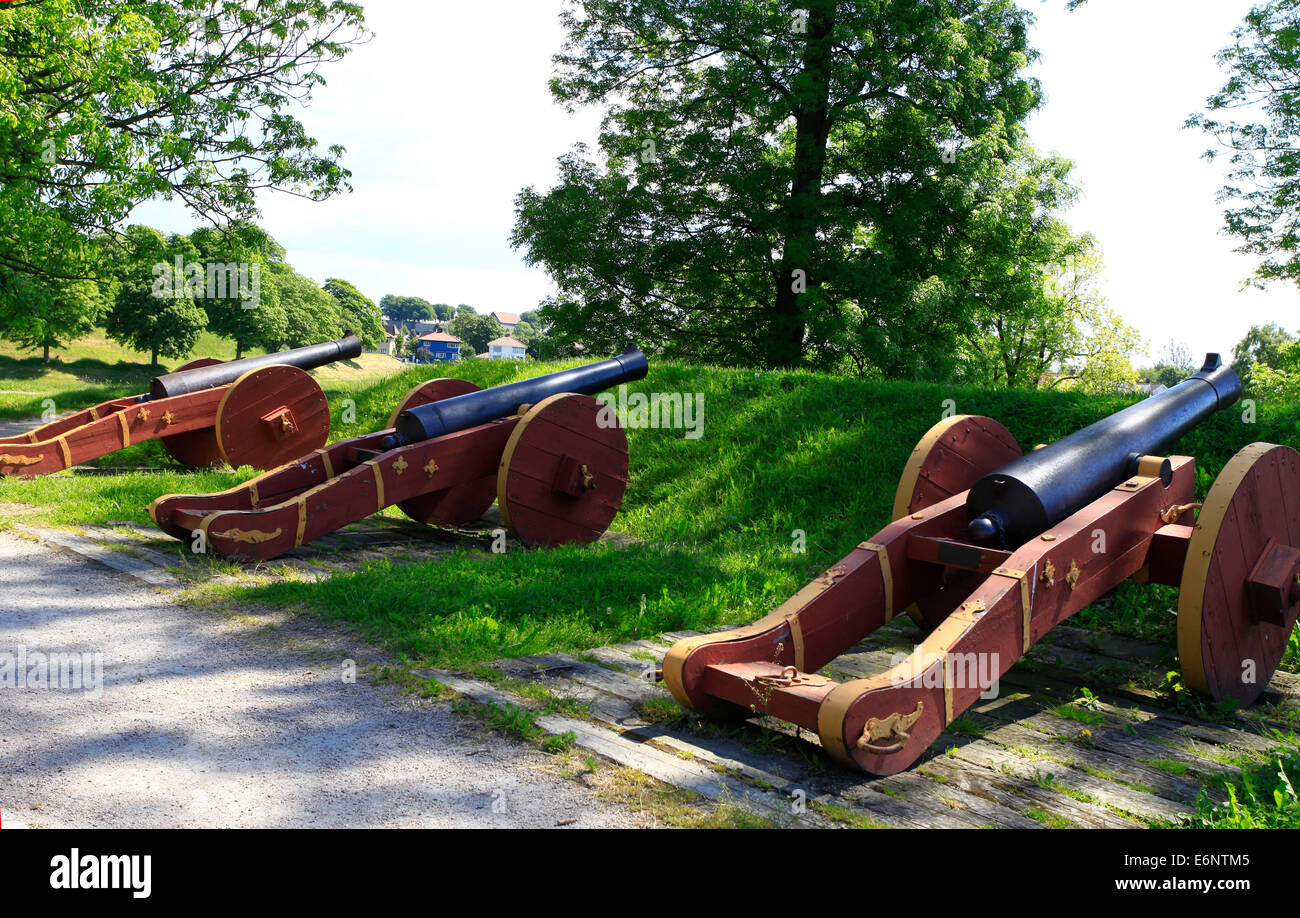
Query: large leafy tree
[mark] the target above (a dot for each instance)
(240, 294)
(106, 104)
(311, 314)
(359, 312)
(153, 306)
(403, 310)
(772, 181)
(1255, 119)
(476, 331)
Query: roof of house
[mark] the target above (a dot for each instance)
(506, 318)
(507, 341)
(440, 336)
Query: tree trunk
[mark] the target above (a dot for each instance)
(153, 357)
(239, 349)
(802, 208)
(47, 352)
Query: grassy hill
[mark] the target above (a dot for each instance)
(96, 369)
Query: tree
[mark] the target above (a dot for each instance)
(444, 312)
(476, 330)
(311, 314)
(359, 312)
(1178, 356)
(1264, 345)
(403, 310)
(109, 104)
(45, 312)
(235, 285)
(153, 307)
(773, 181)
(1263, 66)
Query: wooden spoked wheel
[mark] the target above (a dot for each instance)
(271, 416)
(563, 472)
(196, 448)
(451, 506)
(1225, 649)
(950, 458)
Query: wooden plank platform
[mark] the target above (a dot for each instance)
(1039, 755)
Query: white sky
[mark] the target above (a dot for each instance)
(443, 128)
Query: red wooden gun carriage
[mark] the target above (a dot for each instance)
(990, 549)
(258, 411)
(552, 456)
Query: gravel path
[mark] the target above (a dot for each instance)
(212, 720)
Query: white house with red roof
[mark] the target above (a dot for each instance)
(506, 348)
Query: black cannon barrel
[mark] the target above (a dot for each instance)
(1035, 492)
(222, 374)
(465, 411)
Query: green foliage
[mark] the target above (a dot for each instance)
(476, 331)
(816, 194)
(358, 312)
(241, 298)
(105, 105)
(311, 314)
(1265, 352)
(1264, 182)
(43, 312)
(153, 309)
(1263, 798)
(402, 310)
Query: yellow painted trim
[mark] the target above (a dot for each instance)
(912, 470)
(66, 451)
(379, 484)
(302, 521)
(1196, 568)
(1026, 604)
(796, 638)
(126, 429)
(508, 454)
(325, 458)
(886, 574)
(253, 496)
(947, 689)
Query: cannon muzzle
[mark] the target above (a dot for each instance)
(222, 374)
(465, 411)
(1035, 492)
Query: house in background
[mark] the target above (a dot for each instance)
(388, 346)
(440, 346)
(509, 320)
(506, 348)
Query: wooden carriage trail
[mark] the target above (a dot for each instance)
(1041, 754)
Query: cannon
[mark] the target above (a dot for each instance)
(258, 411)
(989, 549)
(552, 457)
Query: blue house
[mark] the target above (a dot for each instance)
(441, 346)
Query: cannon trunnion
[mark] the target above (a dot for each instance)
(553, 458)
(1084, 516)
(259, 411)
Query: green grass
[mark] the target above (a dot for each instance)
(718, 517)
(93, 370)
(1263, 798)
(96, 369)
